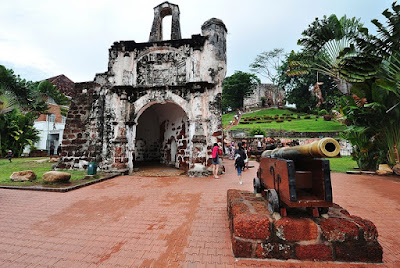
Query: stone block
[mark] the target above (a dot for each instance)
(238, 208)
(252, 226)
(358, 252)
(260, 207)
(318, 252)
(294, 230)
(339, 229)
(56, 176)
(242, 249)
(274, 250)
(26, 175)
(119, 165)
(368, 229)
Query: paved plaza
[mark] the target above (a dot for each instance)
(133, 221)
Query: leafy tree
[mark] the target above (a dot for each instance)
(19, 131)
(387, 40)
(298, 87)
(267, 64)
(236, 87)
(22, 91)
(330, 47)
(21, 102)
(373, 110)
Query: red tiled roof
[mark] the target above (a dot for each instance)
(63, 84)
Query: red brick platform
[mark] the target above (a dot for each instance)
(134, 221)
(338, 236)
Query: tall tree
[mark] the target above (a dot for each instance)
(387, 41)
(373, 110)
(236, 87)
(21, 102)
(267, 64)
(298, 87)
(330, 47)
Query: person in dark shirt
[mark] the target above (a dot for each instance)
(52, 147)
(240, 157)
(9, 155)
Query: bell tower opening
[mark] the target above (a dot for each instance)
(160, 12)
(166, 27)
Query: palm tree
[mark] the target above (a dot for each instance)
(330, 48)
(387, 41)
(21, 102)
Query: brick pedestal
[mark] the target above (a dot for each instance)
(339, 237)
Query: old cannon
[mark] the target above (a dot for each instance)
(297, 177)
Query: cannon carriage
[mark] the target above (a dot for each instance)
(297, 177)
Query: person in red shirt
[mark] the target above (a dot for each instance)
(215, 159)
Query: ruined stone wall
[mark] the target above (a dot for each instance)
(80, 140)
(267, 91)
(185, 75)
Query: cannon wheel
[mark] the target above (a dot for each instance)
(273, 201)
(257, 185)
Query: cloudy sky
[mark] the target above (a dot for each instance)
(44, 38)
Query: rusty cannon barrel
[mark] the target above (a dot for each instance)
(326, 147)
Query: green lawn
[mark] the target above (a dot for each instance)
(272, 111)
(302, 125)
(342, 164)
(31, 163)
(226, 118)
(297, 125)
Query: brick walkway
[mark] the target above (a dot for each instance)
(158, 222)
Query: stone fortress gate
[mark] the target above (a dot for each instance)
(159, 101)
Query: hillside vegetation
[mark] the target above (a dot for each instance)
(283, 120)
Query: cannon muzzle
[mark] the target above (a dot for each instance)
(326, 147)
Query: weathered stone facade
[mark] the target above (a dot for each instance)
(271, 94)
(158, 101)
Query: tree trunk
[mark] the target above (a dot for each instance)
(343, 86)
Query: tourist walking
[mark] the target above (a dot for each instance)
(232, 156)
(9, 155)
(240, 156)
(52, 147)
(215, 159)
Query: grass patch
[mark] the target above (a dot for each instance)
(270, 112)
(37, 165)
(227, 118)
(342, 164)
(307, 125)
(294, 124)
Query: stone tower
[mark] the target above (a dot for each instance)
(160, 12)
(158, 101)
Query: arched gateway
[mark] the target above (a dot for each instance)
(159, 101)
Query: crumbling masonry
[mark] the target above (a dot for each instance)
(159, 101)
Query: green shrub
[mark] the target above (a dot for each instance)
(257, 131)
(322, 112)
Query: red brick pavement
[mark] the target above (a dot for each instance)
(158, 222)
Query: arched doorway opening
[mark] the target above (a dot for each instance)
(161, 135)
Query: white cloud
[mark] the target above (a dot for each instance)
(73, 37)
